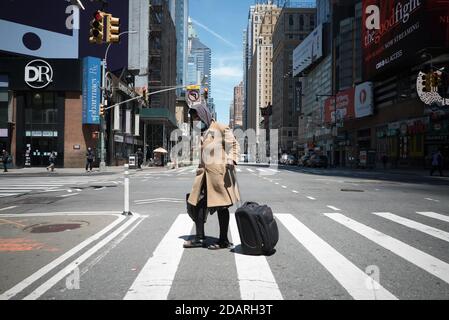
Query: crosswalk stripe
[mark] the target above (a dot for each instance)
(434, 232)
(46, 269)
(2, 195)
(358, 284)
(155, 280)
(250, 170)
(419, 258)
(435, 216)
(255, 277)
(42, 289)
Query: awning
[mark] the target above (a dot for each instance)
(157, 114)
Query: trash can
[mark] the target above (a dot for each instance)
(132, 161)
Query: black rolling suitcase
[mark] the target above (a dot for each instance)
(257, 228)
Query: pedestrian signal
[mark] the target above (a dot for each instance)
(97, 28)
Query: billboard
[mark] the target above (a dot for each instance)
(364, 100)
(91, 90)
(56, 29)
(394, 31)
(343, 109)
(308, 51)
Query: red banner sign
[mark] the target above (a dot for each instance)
(344, 108)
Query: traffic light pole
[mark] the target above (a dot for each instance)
(102, 117)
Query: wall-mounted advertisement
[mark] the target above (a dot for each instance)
(57, 29)
(91, 90)
(364, 100)
(394, 32)
(308, 51)
(342, 110)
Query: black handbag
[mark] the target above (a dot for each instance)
(199, 210)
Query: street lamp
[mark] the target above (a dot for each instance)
(103, 102)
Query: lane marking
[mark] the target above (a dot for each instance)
(435, 215)
(8, 208)
(285, 187)
(69, 195)
(115, 243)
(417, 257)
(356, 282)
(333, 208)
(46, 269)
(47, 285)
(311, 198)
(256, 281)
(155, 279)
(294, 191)
(430, 199)
(434, 232)
(250, 170)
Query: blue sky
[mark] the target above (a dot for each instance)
(220, 25)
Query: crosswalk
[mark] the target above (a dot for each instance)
(258, 277)
(17, 187)
(193, 169)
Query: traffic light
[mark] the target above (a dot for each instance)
(102, 110)
(206, 93)
(426, 82)
(113, 29)
(97, 28)
(433, 79)
(145, 95)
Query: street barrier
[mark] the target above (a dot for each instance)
(126, 210)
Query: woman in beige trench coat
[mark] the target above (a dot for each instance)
(215, 175)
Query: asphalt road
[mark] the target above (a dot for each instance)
(343, 235)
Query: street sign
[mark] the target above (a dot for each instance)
(193, 94)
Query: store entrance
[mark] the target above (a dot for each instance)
(40, 150)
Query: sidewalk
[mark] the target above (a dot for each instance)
(398, 171)
(42, 172)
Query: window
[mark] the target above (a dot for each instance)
(290, 20)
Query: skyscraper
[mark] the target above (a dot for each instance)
(179, 10)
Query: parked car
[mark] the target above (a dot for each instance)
(287, 159)
(318, 161)
(303, 160)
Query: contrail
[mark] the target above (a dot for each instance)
(214, 33)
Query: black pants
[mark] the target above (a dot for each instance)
(223, 221)
(89, 164)
(439, 168)
(5, 166)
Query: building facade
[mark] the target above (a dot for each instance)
(293, 26)
(264, 20)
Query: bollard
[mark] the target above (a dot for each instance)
(126, 211)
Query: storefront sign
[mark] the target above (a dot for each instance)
(118, 138)
(38, 74)
(3, 133)
(91, 90)
(344, 107)
(363, 100)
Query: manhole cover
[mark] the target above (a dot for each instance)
(55, 227)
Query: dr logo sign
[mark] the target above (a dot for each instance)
(38, 74)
